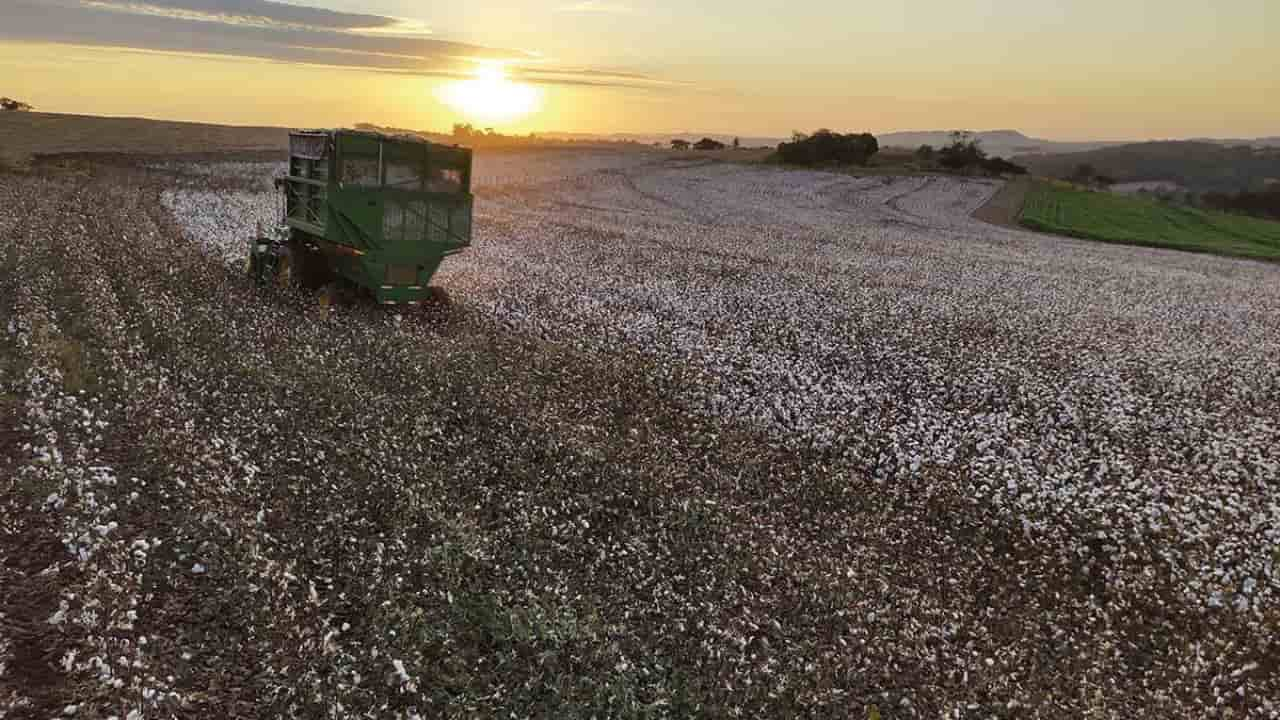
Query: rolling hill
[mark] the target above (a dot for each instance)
(1197, 166)
(24, 134)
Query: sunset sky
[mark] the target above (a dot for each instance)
(1084, 69)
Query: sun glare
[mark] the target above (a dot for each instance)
(491, 96)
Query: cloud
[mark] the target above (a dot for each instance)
(279, 32)
(263, 13)
(596, 78)
(596, 6)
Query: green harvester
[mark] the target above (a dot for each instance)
(367, 212)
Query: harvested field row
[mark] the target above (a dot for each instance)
(696, 440)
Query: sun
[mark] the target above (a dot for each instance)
(491, 96)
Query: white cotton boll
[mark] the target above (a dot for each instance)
(198, 569)
(1067, 388)
(60, 615)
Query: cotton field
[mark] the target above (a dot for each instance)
(694, 439)
(1068, 385)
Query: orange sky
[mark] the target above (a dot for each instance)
(1093, 70)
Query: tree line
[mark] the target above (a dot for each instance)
(964, 154)
(1263, 204)
(825, 147)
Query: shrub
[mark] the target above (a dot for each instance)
(965, 151)
(825, 147)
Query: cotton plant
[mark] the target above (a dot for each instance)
(834, 310)
(690, 435)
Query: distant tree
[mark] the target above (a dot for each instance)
(964, 152)
(463, 130)
(736, 144)
(924, 154)
(11, 105)
(708, 144)
(1265, 204)
(679, 144)
(825, 147)
(1084, 173)
(1104, 180)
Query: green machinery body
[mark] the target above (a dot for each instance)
(378, 211)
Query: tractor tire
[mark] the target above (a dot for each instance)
(309, 267)
(331, 295)
(284, 269)
(253, 261)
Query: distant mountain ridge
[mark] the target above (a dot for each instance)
(1004, 143)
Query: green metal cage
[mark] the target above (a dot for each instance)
(380, 211)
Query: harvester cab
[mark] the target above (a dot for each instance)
(368, 211)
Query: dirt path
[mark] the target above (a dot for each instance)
(1004, 207)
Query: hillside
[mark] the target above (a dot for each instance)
(1197, 166)
(34, 133)
(1063, 210)
(1006, 143)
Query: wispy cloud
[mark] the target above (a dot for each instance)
(552, 75)
(596, 6)
(279, 32)
(260, 13)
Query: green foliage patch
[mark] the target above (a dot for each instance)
(1064, 210)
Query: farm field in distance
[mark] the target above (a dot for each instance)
(1060, 209)
(694, 439)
